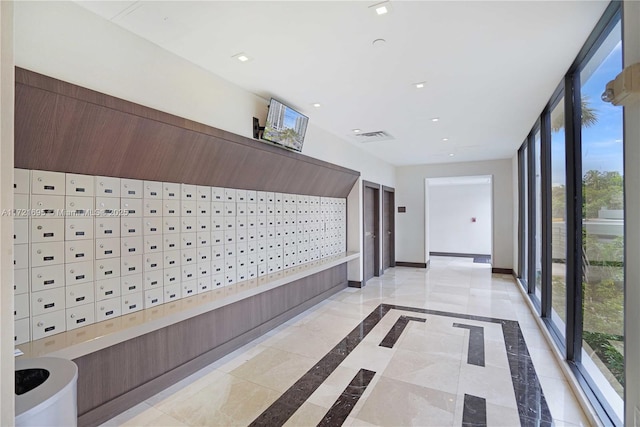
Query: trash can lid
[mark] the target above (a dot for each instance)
(63, 374)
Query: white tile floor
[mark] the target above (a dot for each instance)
(425, 374)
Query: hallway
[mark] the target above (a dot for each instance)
(433, 347)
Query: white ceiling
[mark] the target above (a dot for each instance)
(489, 66)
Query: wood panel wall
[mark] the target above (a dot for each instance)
(112, 380)
(66, 128)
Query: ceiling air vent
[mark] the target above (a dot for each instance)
(376, 136)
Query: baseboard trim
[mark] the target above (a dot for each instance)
(459, 255)
(137, 395)
(354, 284)
(411, 264)
(502, 271)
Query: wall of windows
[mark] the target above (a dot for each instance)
(558, 218)
(572, 219)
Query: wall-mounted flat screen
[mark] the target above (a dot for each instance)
(285, 126)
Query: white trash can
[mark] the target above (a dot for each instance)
(46, 392)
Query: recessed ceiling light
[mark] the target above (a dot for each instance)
(445, 139)
(419, 85)
(316, 105)
(451, 154)
(242, 57)
(381, 8)
(435, 119)
(356, 130)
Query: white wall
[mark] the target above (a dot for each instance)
(631, 21)
(516, 211)
(66, 41)
(427, 227)
(451, 208)
(6, 221)
(410, 192)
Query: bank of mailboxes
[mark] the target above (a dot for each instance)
(91, 248)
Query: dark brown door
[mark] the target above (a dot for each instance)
(371, 226)
(388, 228)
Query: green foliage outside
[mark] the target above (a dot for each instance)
(589, 116)
(608, 354)
(603, 270)
(599, 190)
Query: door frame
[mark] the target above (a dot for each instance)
(376, 225)
(462, 181)
(391, 192)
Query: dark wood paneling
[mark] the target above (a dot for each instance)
(371, 223)
(355, 284)
(104, 412)
(502, 271)
(388, 228)
(459, 255)
(369, 234)
(411, 264)
(67, 128)
(124, 367)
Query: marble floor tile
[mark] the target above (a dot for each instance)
(545, 363)
(495, 354)
(297, 340)
(436, 371)
(534, 338)
(231, 401)
(273, 368)
(493, 384)
(562, 401)
(330, 389)
(187, 387)
(138, 411)
(496, 416)
(420, 380)
(370, 356)
(421, 406)
(452, 289)
(308, 415)
(330, 324)
(439, 306)
(483, 293)
(356, 422)
(153, 418)
(501, 309)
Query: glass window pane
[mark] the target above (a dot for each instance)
(538, 216)
(525, 223)
(558, 220)
(603, 224)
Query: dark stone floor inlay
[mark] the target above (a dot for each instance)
(341, 409)
(475, 411)
(475, 356)
(530, 401)
(289, 402)
(396, 330)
